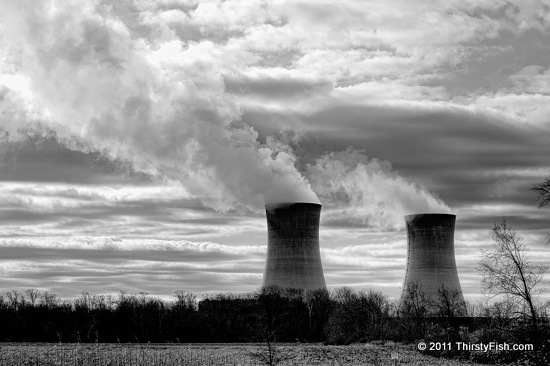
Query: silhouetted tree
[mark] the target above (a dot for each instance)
(357, 316)
(501, 313)
(450, 303)
(49, 299)
(185, 300)
(506, 270)
(268, 352)
(15, 299)
(319, 307)
(543, 192)
(33, 295)
(416, 303)
(414, 309)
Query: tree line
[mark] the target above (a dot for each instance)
(342, 316)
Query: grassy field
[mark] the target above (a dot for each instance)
(207, 355)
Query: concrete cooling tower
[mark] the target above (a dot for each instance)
(430, 254)
(293, 256)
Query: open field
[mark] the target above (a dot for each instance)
(207, 355)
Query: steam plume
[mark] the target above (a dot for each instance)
(152, 95)
(366, 191)
(162, 107)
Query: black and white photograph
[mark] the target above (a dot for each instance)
(286, 182)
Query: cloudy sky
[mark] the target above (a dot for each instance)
(140, 139)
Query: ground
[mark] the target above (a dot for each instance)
(212, 354)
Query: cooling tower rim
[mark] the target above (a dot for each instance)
(441, 216)
(279, 205)
(430, 214)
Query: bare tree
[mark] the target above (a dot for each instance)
(268, 352)
(415, 302)
(33, 295)
(15, 299)
(502, 312)
(186, 300)
(84, 302)
(506, 270)
(49, 299)
(315, 300)
(450, 303)
(543, 192)
(472, 309)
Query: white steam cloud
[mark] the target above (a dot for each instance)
(138, 91)
(163, 107)
(367, 192)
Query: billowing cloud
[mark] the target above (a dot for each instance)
(165, 104)
(168, 114)
(367, 191)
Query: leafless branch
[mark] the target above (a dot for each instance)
(506, 270)
(543, 192)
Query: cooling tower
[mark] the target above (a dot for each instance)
(431, 254)
(293, 256)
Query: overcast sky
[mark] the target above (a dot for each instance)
(140, 139)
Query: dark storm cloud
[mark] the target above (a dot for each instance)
(461, 155)
(461, 187)
(45, 159)
(271, 87)
(421, 139)
(528, 221)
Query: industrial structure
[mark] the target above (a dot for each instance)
(293, 255)
(431, 256)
